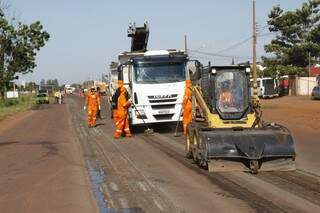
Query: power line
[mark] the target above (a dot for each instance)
(219, 55)
(209, 58)
(266, 34)
(234, 45)
(226, 57)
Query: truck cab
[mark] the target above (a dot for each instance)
(155, 81)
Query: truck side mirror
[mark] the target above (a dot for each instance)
(194, 67)
(120, 72)
(120, 68)
(197, 64)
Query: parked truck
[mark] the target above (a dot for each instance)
(267, 87)
(154, 79)
(284, 85)
(101, 87)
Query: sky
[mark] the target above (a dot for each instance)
(87, 35)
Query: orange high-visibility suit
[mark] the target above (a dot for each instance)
(121, 113)
(92, 104)
(187, 106)
(98, 111)
(225, 97)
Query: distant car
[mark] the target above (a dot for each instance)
(315, 92)
(42, 98)
(69, 90)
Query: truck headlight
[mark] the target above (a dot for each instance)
(140, 113)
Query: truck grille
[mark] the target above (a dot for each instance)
(162, 101)
(165, 106)
(162, 98)
(163, 117)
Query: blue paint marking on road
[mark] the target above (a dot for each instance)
(97, 177)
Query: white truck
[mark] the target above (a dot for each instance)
(267, 87)
(154, 79)
(113, 77)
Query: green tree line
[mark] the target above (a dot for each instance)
(297, 39)
(19, 44)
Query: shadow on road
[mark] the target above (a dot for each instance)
(164, 128)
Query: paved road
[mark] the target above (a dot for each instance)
(42, 168)
(140, 174)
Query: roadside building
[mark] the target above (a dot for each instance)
(315, 70)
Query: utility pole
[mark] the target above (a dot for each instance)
(254, 51)
(186, 52)
(309, 55)
(309, 69)
(185, 44)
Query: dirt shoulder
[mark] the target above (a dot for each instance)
(42, 169)
(301, 116)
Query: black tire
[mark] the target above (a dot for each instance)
(203, 161)
(195, 150)
(188, 147)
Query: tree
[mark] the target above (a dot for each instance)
(53, 82)
(297, 35)
(19, 45)
(30, 86)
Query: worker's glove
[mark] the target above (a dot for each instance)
(127, 104)
(99, 107)
(84, 108)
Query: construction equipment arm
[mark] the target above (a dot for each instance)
(86, 102)
(139, 37)
(201, 102)
(98, 102)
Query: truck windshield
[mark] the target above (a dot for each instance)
(231, 91)
(155, 73)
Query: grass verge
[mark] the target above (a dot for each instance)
(12, 106)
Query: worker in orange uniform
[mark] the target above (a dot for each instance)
(121, 112)
(99, 111)
(92, 105)
(187, 106)
(225, 97)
